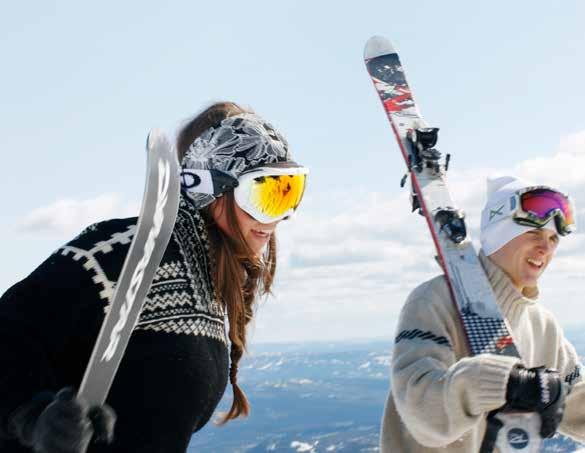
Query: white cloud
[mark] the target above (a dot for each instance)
(66, 217)
(347, 275)
(563, 169)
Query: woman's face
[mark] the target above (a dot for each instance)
(526, 257)
(255, 233)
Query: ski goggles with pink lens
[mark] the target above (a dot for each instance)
(269, 193)
(536, 206)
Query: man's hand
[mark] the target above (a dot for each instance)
(538, 390)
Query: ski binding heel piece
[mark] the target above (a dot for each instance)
(452, 222)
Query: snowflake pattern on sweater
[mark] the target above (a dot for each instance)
(182, 297)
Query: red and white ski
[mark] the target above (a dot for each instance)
(482, 321)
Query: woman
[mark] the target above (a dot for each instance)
(441, 397)
(221, 256)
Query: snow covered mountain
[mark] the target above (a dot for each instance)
(318, 398)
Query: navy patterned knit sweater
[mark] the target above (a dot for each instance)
(174, 371)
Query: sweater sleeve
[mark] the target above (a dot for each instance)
(37, 319)
(573, 423)
(438, 396)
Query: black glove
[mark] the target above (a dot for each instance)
(62, 423)
(538, 390)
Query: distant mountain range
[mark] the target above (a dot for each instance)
(318, 397)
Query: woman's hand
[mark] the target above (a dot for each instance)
(62, 424)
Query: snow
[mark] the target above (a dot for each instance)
(302, 381)
(303, 446)
(383, 360)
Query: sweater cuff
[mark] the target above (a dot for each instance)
(494, 371)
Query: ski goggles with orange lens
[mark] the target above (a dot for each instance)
(536, 206)
(271, 193)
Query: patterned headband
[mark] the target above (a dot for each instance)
(239, 143)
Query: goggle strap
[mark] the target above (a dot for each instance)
(210, 182)
(222, 181)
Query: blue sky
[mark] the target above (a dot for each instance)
(83, 83)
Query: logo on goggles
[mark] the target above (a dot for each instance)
(189, 180)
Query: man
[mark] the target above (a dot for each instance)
(440, 396)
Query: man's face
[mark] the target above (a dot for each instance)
(526, 257)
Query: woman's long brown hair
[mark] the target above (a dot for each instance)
(239, 276)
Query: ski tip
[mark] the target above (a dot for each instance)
(155, 136)
(377, 46)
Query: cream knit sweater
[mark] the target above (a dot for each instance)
(440, 395)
